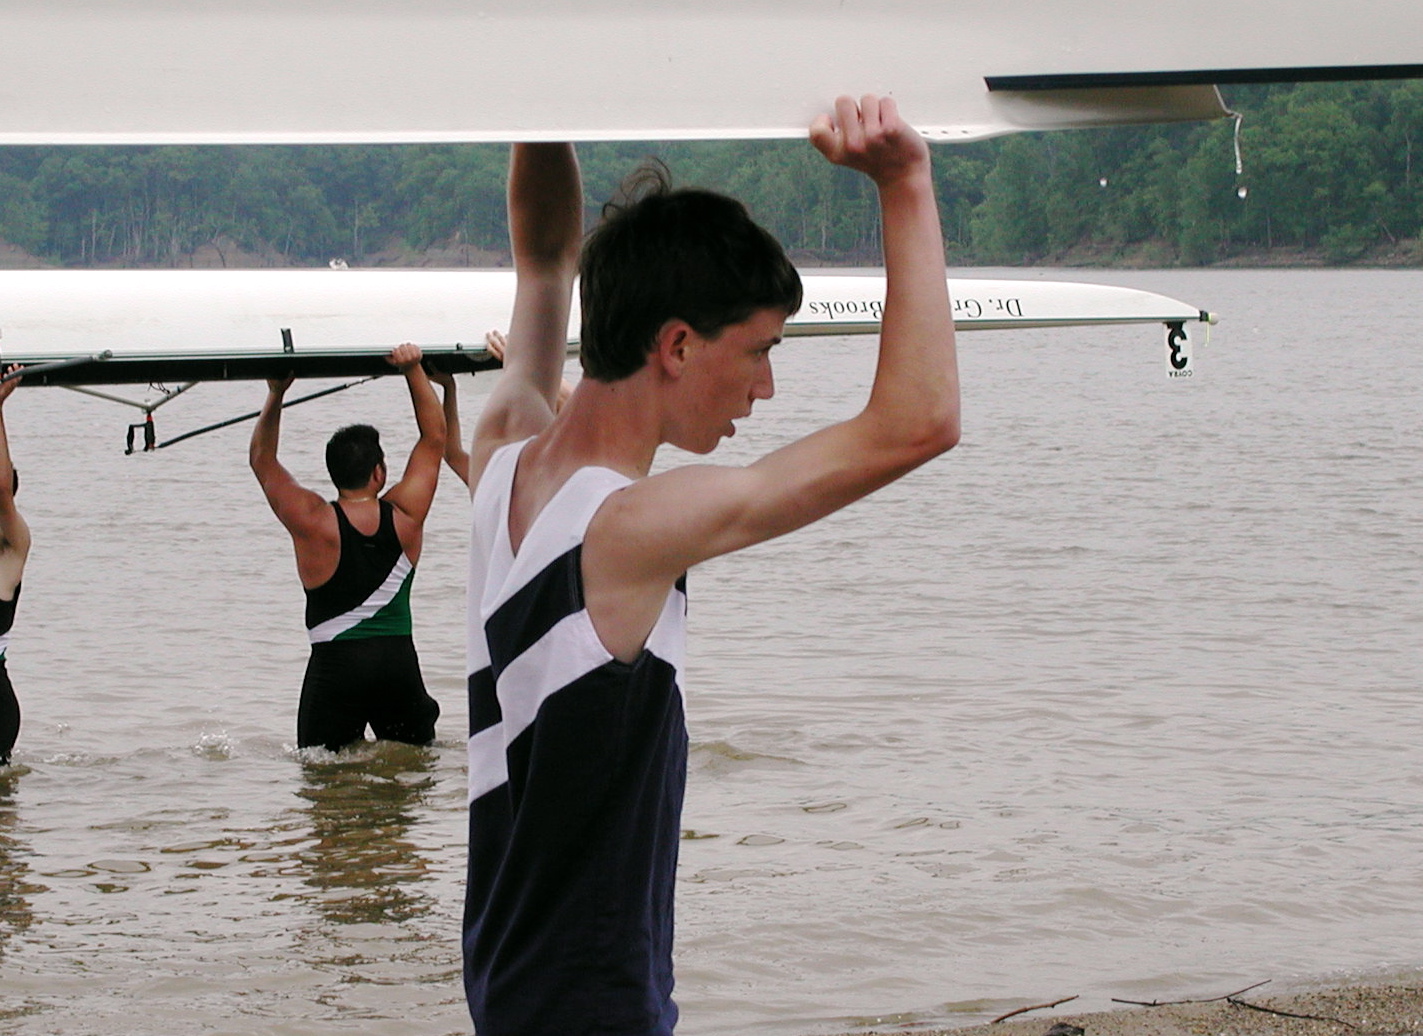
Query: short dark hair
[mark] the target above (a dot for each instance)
(352, 455)
(662, 254)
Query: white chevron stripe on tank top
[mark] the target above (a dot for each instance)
(570, 648)
(384, 594)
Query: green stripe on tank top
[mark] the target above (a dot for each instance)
(393, 620)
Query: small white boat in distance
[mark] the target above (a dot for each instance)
(109, 327)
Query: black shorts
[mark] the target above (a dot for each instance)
(350, 683)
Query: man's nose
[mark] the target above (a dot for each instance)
(766, 386)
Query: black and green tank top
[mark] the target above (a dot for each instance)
(369, 594)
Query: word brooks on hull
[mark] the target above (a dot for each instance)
(140, 326)
(312, 71)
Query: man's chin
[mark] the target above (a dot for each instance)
(704, 446)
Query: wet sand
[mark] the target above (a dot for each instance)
(1372, 1010)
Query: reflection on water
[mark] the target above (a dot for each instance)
(368, 894)
(361, 863)
(16, 888)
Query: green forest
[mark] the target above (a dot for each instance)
(1327, 172)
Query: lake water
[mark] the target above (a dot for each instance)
(1119, 699)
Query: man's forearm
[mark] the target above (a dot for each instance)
(545, 206)
(429, 412)
(545, 232)
(266, 432)
(451, 409)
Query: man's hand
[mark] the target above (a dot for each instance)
(7, 387)
(404, 357)
(496, 343)
(871, 137)
(278, 386)
(444, 379)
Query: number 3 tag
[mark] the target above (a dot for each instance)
(1178, 352)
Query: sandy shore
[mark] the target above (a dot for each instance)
(1373, 1010)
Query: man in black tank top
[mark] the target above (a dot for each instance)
(356, 558)
(14, 549)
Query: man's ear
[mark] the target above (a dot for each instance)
(671, 346)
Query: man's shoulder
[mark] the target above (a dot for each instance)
(314, 523)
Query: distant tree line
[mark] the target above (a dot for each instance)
(1327, 167)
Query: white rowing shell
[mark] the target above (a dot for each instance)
(313, 71)
(310, 71)
(185, 325)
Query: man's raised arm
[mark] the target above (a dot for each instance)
(684, 516)
(455, 455)
(415, 491)
(545, 232)
(296, 507)
(916, 386)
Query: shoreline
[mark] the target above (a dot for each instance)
(1368, 1009)
(223, 253)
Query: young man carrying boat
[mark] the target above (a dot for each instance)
(578, 556)
(356, 558)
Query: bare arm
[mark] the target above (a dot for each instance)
(296, 507)
(14, 532)
(415, 491)
(545, 230)
(651, 532)
(498, 345)
(455, 454)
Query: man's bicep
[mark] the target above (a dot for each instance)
(691, 514)
(415, 491)
(538, 324)
(667, 523)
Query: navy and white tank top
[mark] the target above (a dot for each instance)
(577, 767)
(369, 593)
(7, 620)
